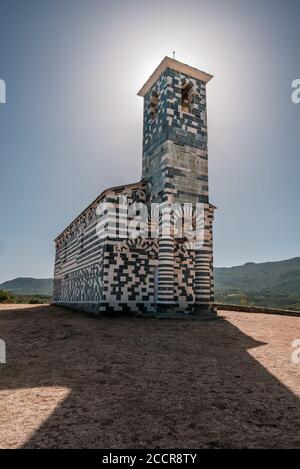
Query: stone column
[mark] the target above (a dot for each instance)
(203, 277)
(203, 283)
(166, 272)
(166, 260)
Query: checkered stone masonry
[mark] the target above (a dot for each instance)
(149, 275)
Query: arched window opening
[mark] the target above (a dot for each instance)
(154, 105)
(186, 95)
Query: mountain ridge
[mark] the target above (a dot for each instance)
(279, 277)
(29, 286)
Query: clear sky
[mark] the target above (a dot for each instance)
(72, 125)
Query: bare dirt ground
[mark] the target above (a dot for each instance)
(72, 380)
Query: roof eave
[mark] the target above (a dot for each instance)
(173, 64)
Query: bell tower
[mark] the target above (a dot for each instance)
(175, 132)
(175, 166)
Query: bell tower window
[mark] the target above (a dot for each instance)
(186, 95)
(154, 105)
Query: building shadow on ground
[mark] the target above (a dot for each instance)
(146, 383)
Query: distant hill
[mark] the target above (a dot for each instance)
(270, 284)
(281, 277)
(29, 286)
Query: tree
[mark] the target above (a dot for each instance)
(6, 297)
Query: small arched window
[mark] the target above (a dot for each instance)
(154, 105)
(186, 95)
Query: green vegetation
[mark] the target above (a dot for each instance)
(268, 301)
(7, 297)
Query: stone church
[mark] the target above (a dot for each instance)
(163, 275)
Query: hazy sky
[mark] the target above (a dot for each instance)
(72, 125)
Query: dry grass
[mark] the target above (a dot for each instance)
(76, 381)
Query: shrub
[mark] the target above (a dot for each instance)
(6, 297)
